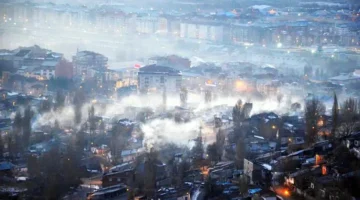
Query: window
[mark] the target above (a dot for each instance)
(162, 79)
(110, 179)
(118, 179)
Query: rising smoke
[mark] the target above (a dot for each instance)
(160, 130)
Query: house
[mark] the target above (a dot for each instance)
(115, 191)
(172, 193)
(157, 78)
(173, 61)
(47, 69)
(85, 60)
(345, 78)
(353, 141)
(130, 154)
(6, 168)
(120, 177)
(324, 187)
(253, 171)
(20, 56)
(300, 180)
(222, 170)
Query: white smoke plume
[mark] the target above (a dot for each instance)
(160, 131)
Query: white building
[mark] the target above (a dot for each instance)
(156, 78)
(47, 69)
(210, 31)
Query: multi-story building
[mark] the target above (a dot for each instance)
(147, 24)
(157, 78)
(85, 60)
(211, 31)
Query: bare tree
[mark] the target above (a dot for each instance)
(236, 114)
(150, 172)
(313, 111)
(198, 149)
(59, 100)
(349, 117)
(1, 147)
(220, 142)
(240, 153)
(241, 112)
(183, 96)
(45, 106)
(208, 96)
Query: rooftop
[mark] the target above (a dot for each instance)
(156, 69)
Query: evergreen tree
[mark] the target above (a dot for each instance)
(335, 116)
(78, 101)
(26, 123)
(208, 96)
(164, 96)
(14, 140)
(198, 150)
(1, 147)
(240, 152)
(56, 124)
(220, 142)
(212, 153)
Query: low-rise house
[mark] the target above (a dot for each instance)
(300, 180)
(222, 171)
(253, 171)
(172, 194)
(345, 78)
(353, 141)
(6, 168)
(115, 191)
(115, 178)
(157, 78)
(130, 154)
(325, 187)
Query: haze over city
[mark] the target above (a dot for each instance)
(175, 99)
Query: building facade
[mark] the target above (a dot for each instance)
(154, 78)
